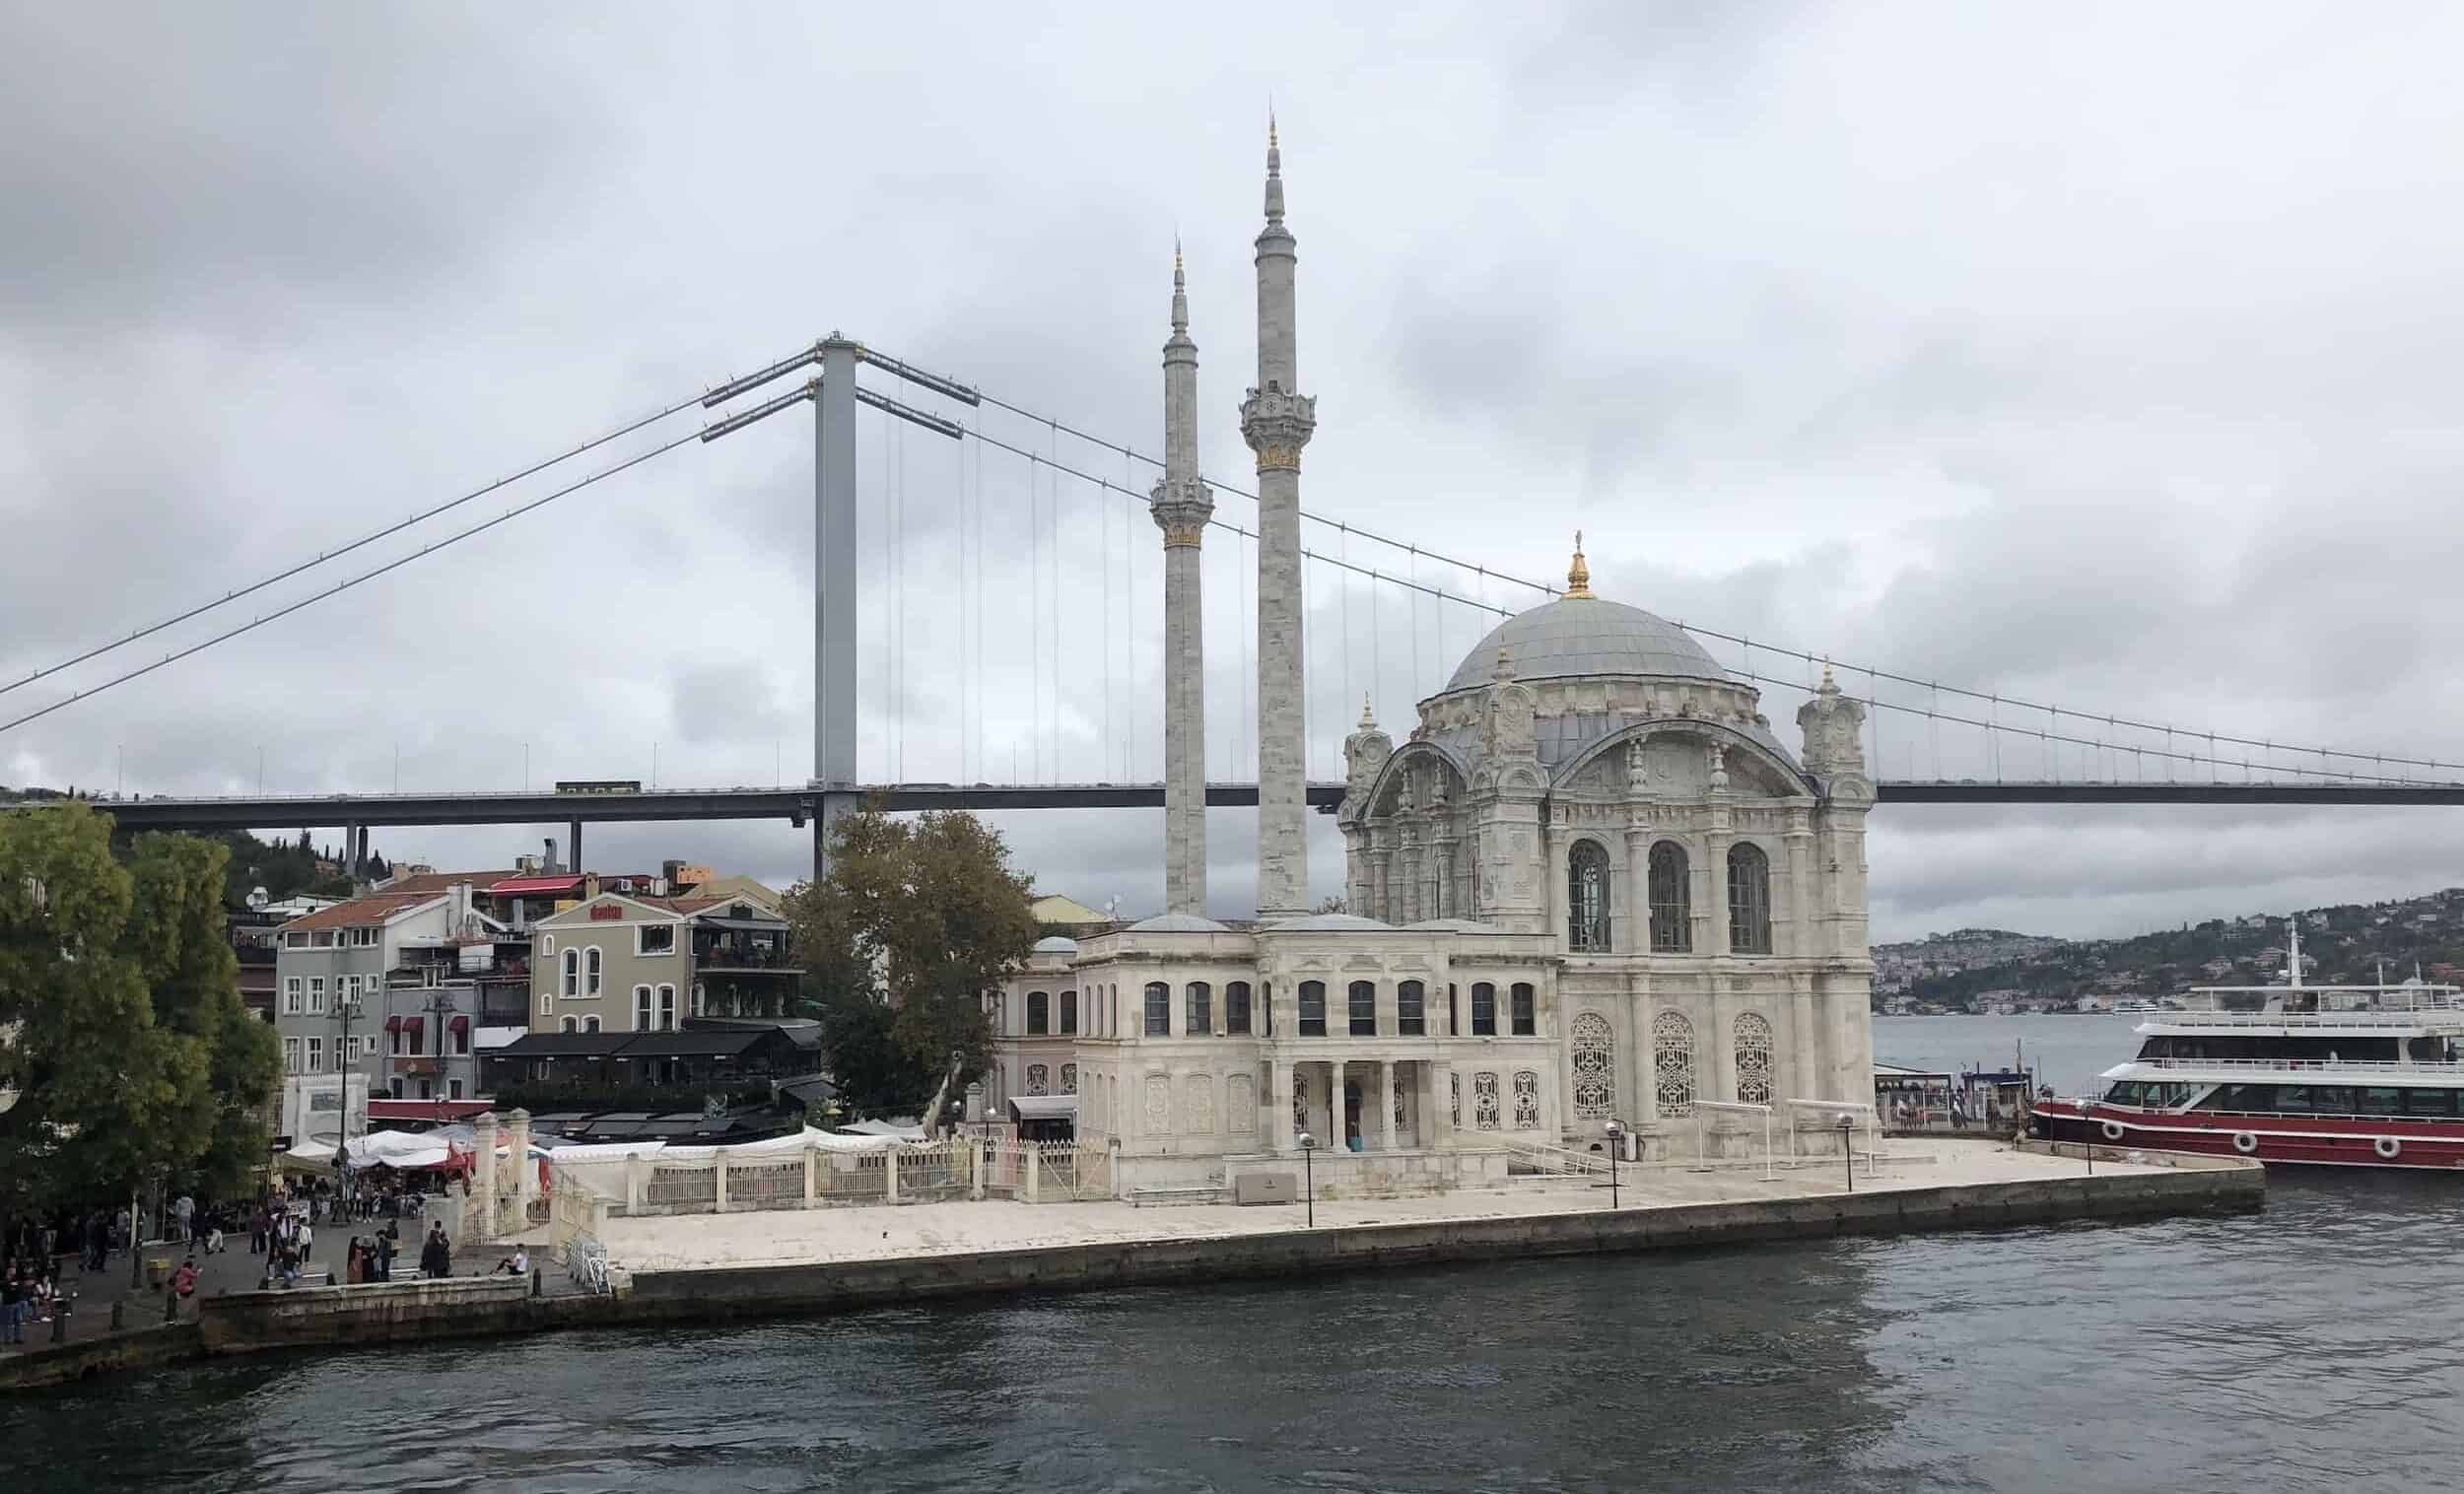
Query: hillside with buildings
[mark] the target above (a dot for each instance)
(1996, 970)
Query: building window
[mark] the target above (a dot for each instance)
(547, 1005)
(1525, 1100)
(1483, 1009)
(1525, 1019)
(290, 1055)
(1484, 1114)
(547, 944)
(570, 1025)
(590, 971)
(667, 1008)
(1586, 897)
(317, 995)
(315, 1056)
(1749, 900)
(291, 988)
(1595, 1067)
(1362, 998)
(1754, 1058)
(654, 939)
(640, 1008)
(364, 938)
(573, 973)
(1039, 1079)
(1068, 1012)
(295, 941)
(1158, 1009)
(1039, 1013)
(454, 1089)
(1411, 1018)
(324, 940)
(1672, 1063)
(1313, 1008)
(1201, 1012)
(1236, 1008)
(396, 1038)
(1069, 1079)
(1671, 913)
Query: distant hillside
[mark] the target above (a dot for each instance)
(2341, 944)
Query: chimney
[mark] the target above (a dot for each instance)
(550, 865)
(590, 886)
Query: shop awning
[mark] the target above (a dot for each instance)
(393, 1024)
(1044, 1107)
(414, 1026)
(459, 1025)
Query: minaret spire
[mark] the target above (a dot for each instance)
(1181, 507)
(1276, 419)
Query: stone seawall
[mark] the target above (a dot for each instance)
(235, 1323)
(755, 1290)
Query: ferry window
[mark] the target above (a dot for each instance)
(2125, 1092)
(2246, 1097)
(2293, 1097)
(2430, 1102)
(2332, 1099)
(2382, 1102)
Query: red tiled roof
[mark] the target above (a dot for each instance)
(374, 908)
(521, 887)
(433, 882)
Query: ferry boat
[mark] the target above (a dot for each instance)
(2331, 1075)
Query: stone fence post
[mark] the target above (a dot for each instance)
(808, 1174)
(479, 1207)
(889, 1173)
(636, 1180)
(526, 1172)
(718, 1179)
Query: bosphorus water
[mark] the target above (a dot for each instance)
(2318, 1345)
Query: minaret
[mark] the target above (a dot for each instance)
(1277, 421)
(1181, 506)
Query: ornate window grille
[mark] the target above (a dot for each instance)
(1411, 1015)
(1671, 909)
(1754, 1058)
(1069, 1079)
(1158, 1009)
(1586, 897)
(1202, 1010)
(1484, 1101)
(1361, 997)
(1595, 1067)
(1749, 900)
(1402, 1120)
(1313, 1008)
(1483, 1009)
(1039, 1079)
(1673, 1062)
(1039, 1013)
(1454, 1098)
(1525, 1100)
(1300, 1104)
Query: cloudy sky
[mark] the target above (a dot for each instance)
(2102, 357)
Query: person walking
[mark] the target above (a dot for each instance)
(12, 1309)
(436, 1259)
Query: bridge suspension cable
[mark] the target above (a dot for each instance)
(339, 587)
(323, 557)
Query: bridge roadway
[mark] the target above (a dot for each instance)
(797, 805)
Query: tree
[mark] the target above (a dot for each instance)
(129, 1052)
(923, 916)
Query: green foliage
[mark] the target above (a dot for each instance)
(876, 1077)
(920, 916)
(131, 1053)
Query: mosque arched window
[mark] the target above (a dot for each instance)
(1313, 1008)
(1236, 1008)
(1586, 897)
(1673, 1062)
(1595, 1067)
(1754, 1058)
(1362, 1003)
(1524, 1011)
(1483, 1009)
(1749, 900)
(1411, 1009)
(1039, 1013)
(1671, 913)
(1200, 1019)
(1158, 1009)
(1068, 1012)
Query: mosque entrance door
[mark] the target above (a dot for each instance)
(1351, 1116)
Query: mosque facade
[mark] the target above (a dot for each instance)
(1590, 885)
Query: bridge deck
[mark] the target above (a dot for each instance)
(796, 805)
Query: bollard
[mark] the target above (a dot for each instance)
(171, 1305)
(59, 1326)
(119, 1318)
(537, 1289)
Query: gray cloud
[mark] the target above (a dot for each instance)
(2097, 364)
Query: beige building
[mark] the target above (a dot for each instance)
(623, 963)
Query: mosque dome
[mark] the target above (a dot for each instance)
(1580, 634)
(1056, 944)
(1178, 922)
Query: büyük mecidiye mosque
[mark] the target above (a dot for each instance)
(1591, 885)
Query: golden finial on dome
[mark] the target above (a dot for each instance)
(1578, 575)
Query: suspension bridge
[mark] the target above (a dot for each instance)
(1384, 619)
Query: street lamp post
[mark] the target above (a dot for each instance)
(1616, 1144)
(1309, 1188)
(1848, 1146)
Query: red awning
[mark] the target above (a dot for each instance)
(393, 1024)
(459, 1025)
(413, 1025)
